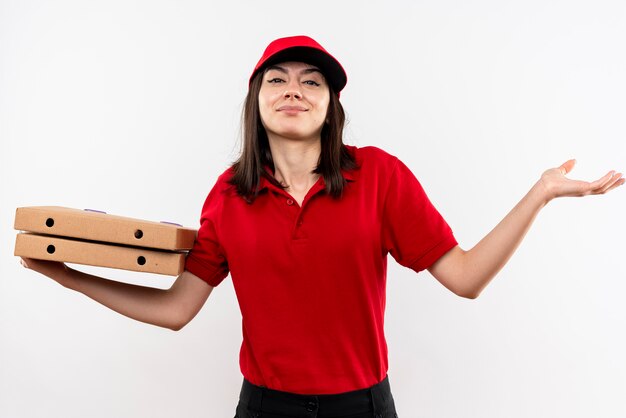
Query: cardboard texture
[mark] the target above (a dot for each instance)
(44, 247)
(99, 226)
(98, 239)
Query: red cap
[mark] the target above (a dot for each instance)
(304, 49)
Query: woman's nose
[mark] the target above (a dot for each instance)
(292, 91)
(295, 94)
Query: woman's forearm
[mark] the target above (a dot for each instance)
(486, 259)
(145, 304)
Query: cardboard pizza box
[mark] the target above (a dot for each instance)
(103, 227)
(44, 247)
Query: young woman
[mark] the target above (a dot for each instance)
(303, 224)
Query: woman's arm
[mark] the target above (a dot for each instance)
(170, 308)
(467, 273)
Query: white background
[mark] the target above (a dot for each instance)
(133, 107)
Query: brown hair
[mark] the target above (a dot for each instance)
(256, 153)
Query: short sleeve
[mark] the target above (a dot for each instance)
(207, 259)
(414, 232)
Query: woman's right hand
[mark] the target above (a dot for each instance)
(54, 269)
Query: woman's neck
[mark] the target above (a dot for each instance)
(294, 162)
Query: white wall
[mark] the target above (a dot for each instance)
(132, 107)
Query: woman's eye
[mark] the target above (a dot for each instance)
(274, 80)
(312, 83)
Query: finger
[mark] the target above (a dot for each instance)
(615, 181)
(23, 263)
(567, 166)
(602, 181)
(616, 184)
(604, 187)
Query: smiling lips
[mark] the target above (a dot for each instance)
(292, 110)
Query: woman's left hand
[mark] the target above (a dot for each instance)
(556, 184)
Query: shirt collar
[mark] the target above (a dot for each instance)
(264, 183)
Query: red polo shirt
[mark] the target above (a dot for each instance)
(311, 280)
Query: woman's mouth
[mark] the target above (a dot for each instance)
(292, 110)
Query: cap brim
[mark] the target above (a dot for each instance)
(330, 67)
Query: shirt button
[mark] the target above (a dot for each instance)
(311, 406)
(290, 202)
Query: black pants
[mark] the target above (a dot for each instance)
(259, 402)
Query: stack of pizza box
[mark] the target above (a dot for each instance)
(99, 239)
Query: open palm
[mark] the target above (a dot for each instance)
(557, 185)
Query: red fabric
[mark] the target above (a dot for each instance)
(282, 44)
(311, 281)
(305, 49)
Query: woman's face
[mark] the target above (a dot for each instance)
(293, 101)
